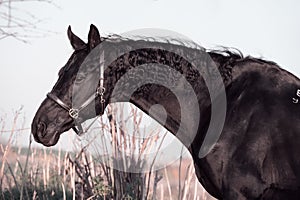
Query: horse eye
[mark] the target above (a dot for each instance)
(79, 78)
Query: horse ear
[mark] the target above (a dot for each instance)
(75, 41)
(94, 37)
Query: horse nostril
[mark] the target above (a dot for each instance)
(42, 129)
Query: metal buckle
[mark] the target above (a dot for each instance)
(100, 90)
(74, 113)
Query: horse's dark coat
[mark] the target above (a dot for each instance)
(257, 154)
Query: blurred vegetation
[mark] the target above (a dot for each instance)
(48, 173)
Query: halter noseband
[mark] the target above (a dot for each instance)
(74, 112)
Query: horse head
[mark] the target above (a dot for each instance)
(64, 108)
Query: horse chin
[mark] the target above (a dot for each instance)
(51, 140)
(54, 137)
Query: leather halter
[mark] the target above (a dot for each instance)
(74, 112)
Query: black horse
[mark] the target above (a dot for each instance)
(256, 156)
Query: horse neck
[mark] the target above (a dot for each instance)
(152, 76)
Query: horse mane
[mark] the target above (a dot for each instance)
(166, 40)
(226, 57)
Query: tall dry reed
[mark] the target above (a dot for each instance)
(50, 173)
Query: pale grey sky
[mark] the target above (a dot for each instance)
(264, 28)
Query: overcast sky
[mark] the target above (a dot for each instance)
(263, 28)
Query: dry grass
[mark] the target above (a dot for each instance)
(31, 173)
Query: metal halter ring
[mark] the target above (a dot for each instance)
(102, 100)
(74, 113)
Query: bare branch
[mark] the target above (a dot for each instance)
(19, 23)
